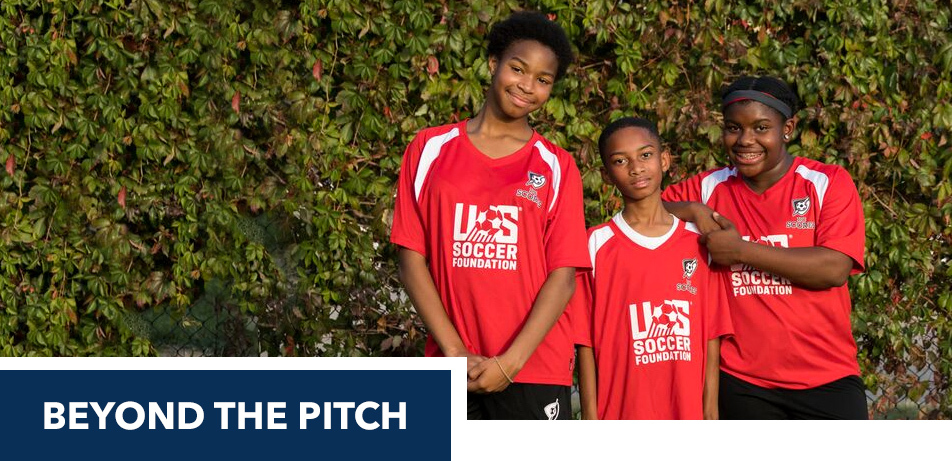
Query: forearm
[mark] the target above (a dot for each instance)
(587, 382)
(815, 268)
(420, 288)
(549, 305)
(712, 378)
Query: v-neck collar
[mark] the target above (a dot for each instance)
(651, 243)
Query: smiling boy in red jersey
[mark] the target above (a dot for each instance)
(791, 230)
(650, 314)
(490, 224)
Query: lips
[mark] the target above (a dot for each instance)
(748, 158)
(640, 183)
(518, 100)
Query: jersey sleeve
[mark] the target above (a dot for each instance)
(688, 190)
(718, 315)
(565, 241)
(408, 230)
(841, 225)
(579, 309)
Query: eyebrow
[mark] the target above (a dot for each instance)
(759, 120)
(619, 152)
(517, 58)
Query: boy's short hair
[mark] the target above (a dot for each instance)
(626, 122)
(777, 91)
(531, 25)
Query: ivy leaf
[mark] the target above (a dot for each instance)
(317, 71)
(236, 102)
(11, 164)
(121, 198)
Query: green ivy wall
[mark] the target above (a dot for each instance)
(162, 155)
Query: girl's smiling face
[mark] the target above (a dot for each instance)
(753, 137)
(523, 77)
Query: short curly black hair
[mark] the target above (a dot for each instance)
(626, 122)
(770, 85)
(531, 25)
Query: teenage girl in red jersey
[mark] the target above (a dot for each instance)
(490, 225)
(792, 231)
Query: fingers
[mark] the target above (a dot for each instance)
(722, 221)
(475, 371)
(485, 378)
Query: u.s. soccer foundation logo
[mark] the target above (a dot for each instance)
(661, 332)
(801, 206)
(688, 266)
(485, 238)
(535, 181)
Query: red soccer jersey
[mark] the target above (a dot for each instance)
(648, 308)
(787, 336)
(492, 230)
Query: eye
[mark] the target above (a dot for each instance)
(646, 155)
(516, 69)
(762, 128)
(732, 128)
(545, 81)
(619, 161)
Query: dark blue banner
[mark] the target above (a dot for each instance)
(247, 414)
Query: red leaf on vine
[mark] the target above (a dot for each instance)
(318, 70)
(236, 102)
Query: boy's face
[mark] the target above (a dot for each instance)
(635, 163)
(522, 77)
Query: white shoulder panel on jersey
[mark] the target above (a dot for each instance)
(595, 242)
(431, 150)
(689, 226)
(553, 161)
(821, 182)
(715, 178)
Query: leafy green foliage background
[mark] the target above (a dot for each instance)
(241, 156)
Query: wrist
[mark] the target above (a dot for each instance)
(512, 362)
(455, 351)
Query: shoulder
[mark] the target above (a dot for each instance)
(807, 167)
(823, 177)
(599, 235)
(702, 186)
(441, 132)
(553, 154)
(600, 228)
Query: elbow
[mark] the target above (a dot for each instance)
(830, 279)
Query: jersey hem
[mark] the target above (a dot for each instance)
(408, 245)
(767, 384)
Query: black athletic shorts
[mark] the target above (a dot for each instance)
(522, 401)
(841, 399)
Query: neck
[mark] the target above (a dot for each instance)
(492, 122)
(763, 181)
(647, 216)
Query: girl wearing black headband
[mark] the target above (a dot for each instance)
(792, 231)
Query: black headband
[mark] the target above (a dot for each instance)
(764, 98)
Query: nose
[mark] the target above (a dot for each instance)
(746, 137)
(525, 84)
(635, 168)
